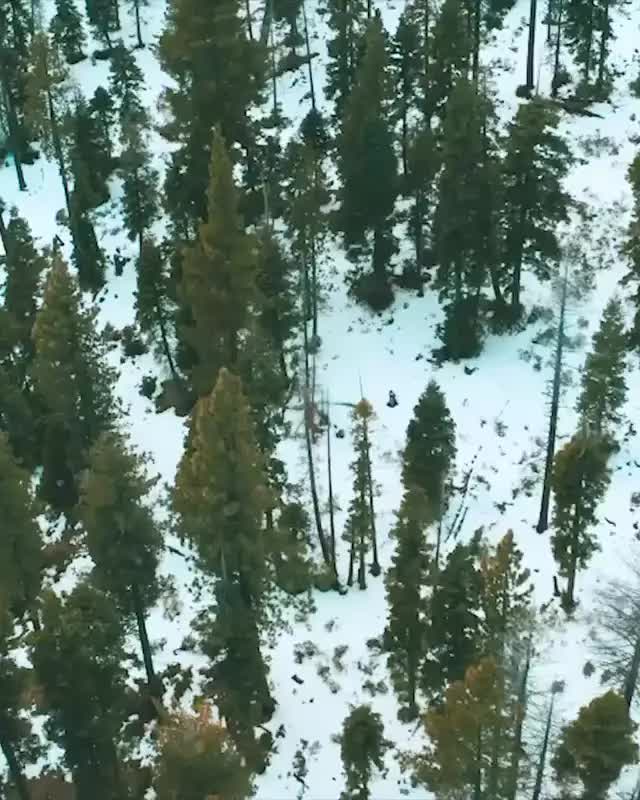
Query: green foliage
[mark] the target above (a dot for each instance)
(218, 279)
(362, 748)
(588, 29)
(101, 15)
(604, 388)
(347, 21)
(125, 82)
(429, 454)
(68, 32)
(367, 161)
(79, 659)
(73, 384)
(200, 41)
(87, 256)
(580, 480)
(450, 49)
(139, 181)
(597, 745)
(90, 153)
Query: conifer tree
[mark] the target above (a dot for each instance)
(199, 42)
(197, 759)
(137, 5)
(123, 539)
(450, 49)
(406, 62)
(102, 109)
(536, 162)
(288, 11)
(347, 20)
(90, 154)
(588, 29)
(368, 168)
(604, 388)
(87, 256)
(139, 183)
(154, 312)
(597, 745)
(429, 456)
(362, 748)
(422, 167)
(102, 17)
(218, 279)
(78, 656)
(406, 634)
(20, 541)
(361, 522)
(456, 630)
(73, 384)
(462, 761)
(631, 247)
(125, 81)
(465, 223)
(67, 31)
(580, 480)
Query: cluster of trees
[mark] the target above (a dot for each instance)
(223, 298)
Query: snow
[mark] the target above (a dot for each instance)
(499, 410)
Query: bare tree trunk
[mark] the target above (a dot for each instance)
(604, 38)
(57, 146)
(265, 27)
(136, 7)
(543, 519)
(12, 124)
(4, 236)
(247, 6)
(375, 565)
(531, 44)
(332, 525)
(516, 749)
(631, 679)
(312, 91)
(362, 547)
(542, 761)
(475, 67)
(15, 770)
(556, 57)
(147, 657)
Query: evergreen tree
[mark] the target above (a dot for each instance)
(632, 247)
(78, 656)
(463, 761)
(137, 5)
(125, 82)
(597, 745)
(406, 634)
(288, 11)
(20, 541)
(587, 27)
(429, 456)
(123, 539)
(102, 109)
(87, 256)
(362, 748)
(580, 480)
(154, 312)
(536, 162)
(198, 760)
(465, 219)
(218, 279)
(90, 154)
(450, 49)
(604, 388)
(67, 31)
(406, 62)
(73, 384)
(456, 630)
(347, 20)
(199, 42)
(422, 167)
(368, 168)
(139, 183)
(102, 16)
(361, 523)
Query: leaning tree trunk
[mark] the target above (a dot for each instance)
(531, 44)
(147, 657)
(631, 679)
(543, 519)
(542, 761)
(4, 236)
(15, 770)
(12, 125)
(136, 7)
(312, 91)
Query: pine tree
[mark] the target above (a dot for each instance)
(198, 760)
(368, 168)
(455, 633)
(604, 388)
(462, 761)
(580, 480)
(87, 256)
(347, 20)
(72, 382)
(288, 11)
(78, 656)
(125, 82)
(450, 50)
(362, 748)
(429, 456)
(218, 279)
(597, 745)
(123, 539)
(102, 17)
(139, 183)
(154, 311)
(631, 247)
(103, 111)
(406, 63)
(90, 154)
(588, 30)
(406, 633)
(361, 522)
(465, 220)
(67, 31)
(198, 42)
(137, 5)
(20, 541)
(536, 162)
(422, 168)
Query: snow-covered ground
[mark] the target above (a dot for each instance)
(500, 412)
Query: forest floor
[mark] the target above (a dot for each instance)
(500, 411)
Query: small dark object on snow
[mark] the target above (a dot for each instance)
(556, 588)
(340, 433)
(119, 261)
(297, 679)
(610, 521)
(392, 402)
(470, 370)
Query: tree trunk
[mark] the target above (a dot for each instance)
(531, 44)
(475, 68)
(136, 6)
(57, 146)
(147, 657)
(247, 7)
(332, 525)
(604, 38)
(274, 73)
(631, 680)
(589, 44)
(14, 143)
(543, 519)
(15, 770)
(418, 233)
(375, 564)
(556, 57)
(516, 281)
(314, 290)
(352, 559)
(362, 546)
(116, 15)
(516, 750)
(265, 27)
(542, 761)
(4, 236)
(568, 598)
(426, 33)
(312, 91)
